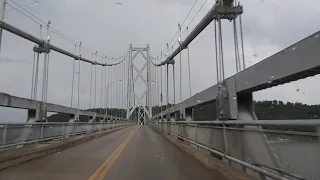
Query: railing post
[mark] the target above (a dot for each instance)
(41, 131)
(225, 142)
(4, 135)
(77, 125)
(195, 131)
(318, 130)
(63, 130)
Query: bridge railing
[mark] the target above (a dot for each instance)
(239, 143)
(19, 134)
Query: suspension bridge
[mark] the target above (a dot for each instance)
(154, 134)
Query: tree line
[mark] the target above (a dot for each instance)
(265, 110)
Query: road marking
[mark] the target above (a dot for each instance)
(113, 161)
(114, 153)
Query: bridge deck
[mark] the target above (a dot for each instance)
(132, 153)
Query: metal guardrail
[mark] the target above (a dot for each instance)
(294, 145)
(18, 134)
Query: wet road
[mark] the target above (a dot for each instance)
(135, 153)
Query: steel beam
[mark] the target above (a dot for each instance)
(207, 19)
(7, 100)
(302, 58)
(36, 40)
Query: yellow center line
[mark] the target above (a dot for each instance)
(97, 172)
(107, 169)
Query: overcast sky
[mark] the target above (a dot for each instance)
(110, 26)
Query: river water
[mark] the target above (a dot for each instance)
(300, 158)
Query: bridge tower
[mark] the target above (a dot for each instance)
(139, 104)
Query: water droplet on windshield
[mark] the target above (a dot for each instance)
(234, 98)
(270, 82)
(34, 3)
(271, 77)
(298, 90)
(294, 48)
(317, 36)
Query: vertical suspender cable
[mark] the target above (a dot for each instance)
(105, 86)
(48, 60)
(174, 82)
(189, 65)
(168, 88)
(156, 90)
(112, 92)
(217, 66)
(117, 89)
(44, 78)
(221, 48)
(151, 88)
(161, 94)
(37, 71)
(108, 84)
(79, 76)
(241, 38)
(73, 68)
(35, 66)
(235, 45)
(95, 85)
(127, 85)
(32, 80)
(123, 87)
(165, 87)
(47, 81)
(121, 90)
(180, 64)
(216, 50)
(114, 87)
(3, 9)
(36, 78)
(101, 91)
(90, 84)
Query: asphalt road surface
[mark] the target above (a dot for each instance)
(135, 153)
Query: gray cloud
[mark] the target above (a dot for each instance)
(269, 26)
